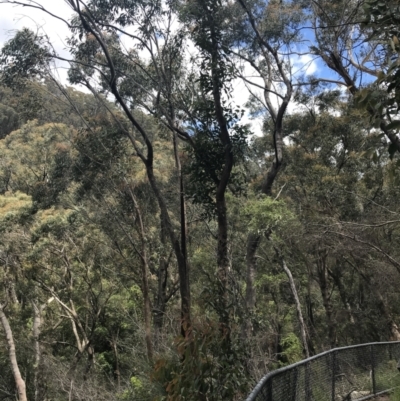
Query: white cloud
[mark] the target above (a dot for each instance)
(240, 96)
(304, 64)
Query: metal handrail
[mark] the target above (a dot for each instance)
(263, 383)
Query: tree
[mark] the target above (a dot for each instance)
(351, 51)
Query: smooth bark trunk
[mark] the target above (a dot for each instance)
(298, 308)
(145, 280)
(303, 330)
(36, 328)
(19, 381)
(117, 372)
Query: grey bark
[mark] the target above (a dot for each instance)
(36, 330)
(303, 330)
(298, 308)
(19, 381)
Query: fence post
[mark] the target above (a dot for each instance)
(293, 382)
(307, 378)
(333, 361)
(373, 369)
(269, 389)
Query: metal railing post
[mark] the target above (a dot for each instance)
(373, 369)
(307, 383)
(333, 361)
(269, 390)
(294, 384)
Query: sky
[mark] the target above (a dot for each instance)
(13, 18)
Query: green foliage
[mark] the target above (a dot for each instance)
(383, 98)
(266, 214)
(44, 161)
(9, 120)
(395, 395)
(13, 208)
(292, 348)
(74, 193)
(24, 56)
(210, 368)
(207, 156)
(387, 377)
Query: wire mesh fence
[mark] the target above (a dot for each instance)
(356, 372)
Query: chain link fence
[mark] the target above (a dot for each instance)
(356, 372)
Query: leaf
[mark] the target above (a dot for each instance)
(364, 94)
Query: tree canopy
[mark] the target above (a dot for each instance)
(154, 246)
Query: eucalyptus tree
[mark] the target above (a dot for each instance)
(100, 63)
(339, 193)
(346, 42)
(10, 296)
(267, 38)
(62, 279)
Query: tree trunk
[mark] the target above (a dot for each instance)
(381, 304)
(148, 162)
(161, 297)
(336, 276)
(19, 381)
(253, 241)
(145, 280)
(37, 322)
(223, 261)
(222, 184)
(323, 285)
(298, 308)
(117, 372)
(310, 314)
(303, 331)
(186, 329)
(184, 286)
(277, 114)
